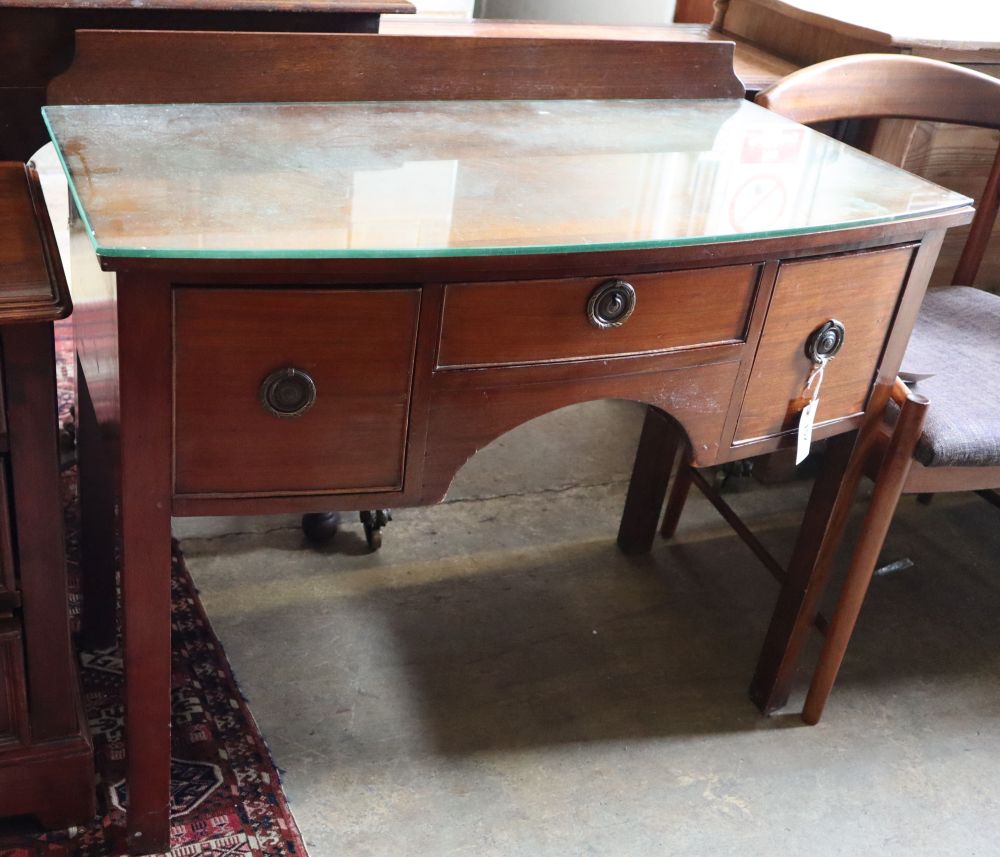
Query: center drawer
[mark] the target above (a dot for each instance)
(539, 321)
(284, 391)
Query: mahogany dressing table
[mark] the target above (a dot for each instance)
(333, 304)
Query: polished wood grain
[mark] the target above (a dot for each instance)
(961, 25)
(806, 577)
(886, 85)
(800, 39)
(43, 734)
(146, 68)
(32, 285)
(470, 409)
(358, 347)
(755, 68)
(808, 572)
(889, 482)
(134, 365)
(955, 95)
(461, 410)
(14, 722)
(29, 367)
(659, 443)
(544, 320)
(826, 516)
(931, 480)
(693, 11)
(144, 490)
(53, 781)
(861, 292)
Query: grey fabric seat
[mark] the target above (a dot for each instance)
(957, 337)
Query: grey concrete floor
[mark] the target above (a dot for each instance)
(499, 680)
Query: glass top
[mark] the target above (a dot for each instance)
(461, 178)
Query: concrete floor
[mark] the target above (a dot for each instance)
(499, 680)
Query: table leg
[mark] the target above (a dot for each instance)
(144, 333)
(808, 572)
(654, 460)
(146, 633)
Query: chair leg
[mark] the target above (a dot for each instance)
(889, 485)
(678, 497)
(809, 569)
(654, 460)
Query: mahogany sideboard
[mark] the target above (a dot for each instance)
(332, 302)
(37, 40)
(46, 758)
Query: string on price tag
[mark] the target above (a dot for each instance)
(807, 418)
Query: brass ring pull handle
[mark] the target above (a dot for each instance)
(611, 304)
(287, 392)
(826, 341)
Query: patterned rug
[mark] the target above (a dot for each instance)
(226, 795)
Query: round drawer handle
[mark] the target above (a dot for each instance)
(826, 341)
(611, 304)
(287, 393)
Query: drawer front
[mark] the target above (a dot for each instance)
(8, 592)
(13, 691)
(354, 347)
(538, 321)
(861, 291)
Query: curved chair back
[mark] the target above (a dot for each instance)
(895, 86)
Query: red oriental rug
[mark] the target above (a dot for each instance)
(226, 796)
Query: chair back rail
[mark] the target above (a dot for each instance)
(897, 86)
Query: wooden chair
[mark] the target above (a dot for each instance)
(944, 433)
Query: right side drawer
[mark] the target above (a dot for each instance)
(13, 691)
(860, 290)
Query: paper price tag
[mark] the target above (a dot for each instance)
(806, 421)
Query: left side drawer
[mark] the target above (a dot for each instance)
(235, 432)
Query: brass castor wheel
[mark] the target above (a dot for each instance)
(320, 527)
(374, 520)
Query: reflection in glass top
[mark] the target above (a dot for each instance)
(461, 178)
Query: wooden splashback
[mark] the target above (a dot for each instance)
(146, 67)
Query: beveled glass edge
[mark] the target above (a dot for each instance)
(71, 184)
(519, 250)
(962, 201)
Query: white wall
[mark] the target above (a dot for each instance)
(444, 10)
(581, 11)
